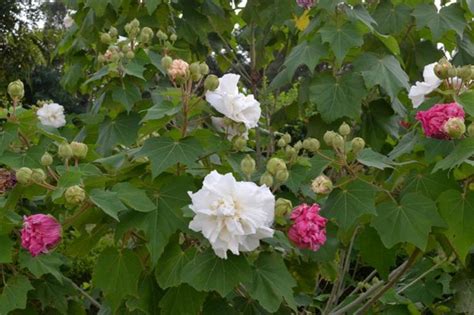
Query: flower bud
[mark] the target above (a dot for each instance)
(358, 144)
(281, 143)
(113, 31)
(16, 90)
(298, 146)
(204, 68)
(38, 175)
(441, 69)
(454, 127)
(195, 71)
(274, 165)
(130, 55)
(290, 153)
(283, 207)
(105, 38)
(338, 143)
(266, 179)
(146, 34)
(79, 150)
(286, 137)
(161, 35)
(465, 73)
(65, 151)
(312, 145)
(179, 70)
(322, 185)
(173, 37)
(248, 165)
(239, 143)
(470, 130)
(46, 159)
(452, 72)
(282, 176)
(101, 58)
(344, 129)
(166, 62)
(211, 83)
(75, 195)
(135, 23)
(328, 137)
(23, 175)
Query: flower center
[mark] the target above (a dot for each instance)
(225, 207)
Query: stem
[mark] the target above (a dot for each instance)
(46, 185)
(420, 277)
(70, 219)
(52, 173)
(346, 264)
(90, 298)
(335, 288)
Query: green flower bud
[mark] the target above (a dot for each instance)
(286, 137)
(101, 58)
(322, 185)
(266, 179)
(441, 69)
(312, 145)
(204, 68)
(105, 38)
(344, 129)
(328, 137)
(79, 150)
(455, 127)
(470, 130)
(465, 73)
(130, 55)
(135, 23)
(46, 159)
(239, 143)
(16, 90)
(211, 83)
(173, 37)
(128, 28)
(38, 175)
(298, 146)
(338, 143)
(115, 57)
(166, 62)
(358, 144)
(452, 72)
(75, 195)
(281, 143)
(161, 35)
(274, 165)
(282, 176)
(23, 175)
(290, 153)
(195, 68)
(147, 33)
(248, 165)
(283, 207)
(65, 151)
(113, 31)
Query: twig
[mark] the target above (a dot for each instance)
(420, 277)
(90, 298)
(346, 264)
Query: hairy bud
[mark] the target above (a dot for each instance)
(311, 145)
(166, 62)
(46, 159)
(322, 185)
(75, 195)
(211, 83)
(248, 165)
(23, 175)
(344, 129)
(105, 38)
(16, 90)
(282, 176)
(281, 143)
(204, 68)
(358, 144)
(338, 143)
(38, 175)
(266, 179)
(274, 165)
(239, 143)
(454, 127)
(328, 137)
(65, 151)
(79, 150)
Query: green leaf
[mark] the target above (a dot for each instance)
(169, 270)
(135, 68)
(405, 145)
(183, 300)
(148, 298)
(133, 197)
(126, 95)
(390, 42)
(8, 135)
(384, 71)
(410, 221)
(430, 185)
(371, 158)
(108, 201)
(271, 282)
(360, 13)
(336, 98)
(117, 274)
(301, 175)
(308, 53)
(391, 19)
(458, 212)
(461, 153)
(158, 111)
(14, 294)
(99, 74)
(347, 204)
(466, 99)
(448, 18)
(121, 130)
(6, 248)
(30, 158)
(52, 294)
(207, 272)
(341, 38)
(42, 264)
(373, 252)
(164, 152)
(99, 6)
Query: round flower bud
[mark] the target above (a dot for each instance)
(128, 28)
(79, 150)
(470, 130)
(101, 58)
(290, 152)
(328, 137)
(146, 34)
(452, 72)
(195, 71)
(344, 129)
(239, 143)
(281, 143)
(266, 179)
(105, 38)
(465, 73)
(74, 195)
(166, 62)
(38, 175)
(286, 137)
(173, 37)
(283, 207)
(16, 90)
(178, 70)
(274, 165)
(135, 23)
(211, 83)
(65, 151)
(161, 35)
(282, 176)
(322, 185)
(248, 165)
(454, 127)
(46, 159)
(298, 146)
(358, 144)
(311, 145)
(441, 71)
(113, 31)
(130, 55)
(204, 68)
(23, 175)
(338, 143)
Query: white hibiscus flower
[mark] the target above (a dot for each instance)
(68, 21)
(232, 215)
(52, 115)
(227, 100)
(420, 89)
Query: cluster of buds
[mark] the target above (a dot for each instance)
(310, 145)
(163, 37)
(276, 173)
(7, 180)
(445, 70)
(180, 71)
(74, 195)
(338, 140)
(74, 149)
(28, 176)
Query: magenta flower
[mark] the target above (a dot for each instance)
(309, 228)
(40, 233)
(306, 4)
(434, 119)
